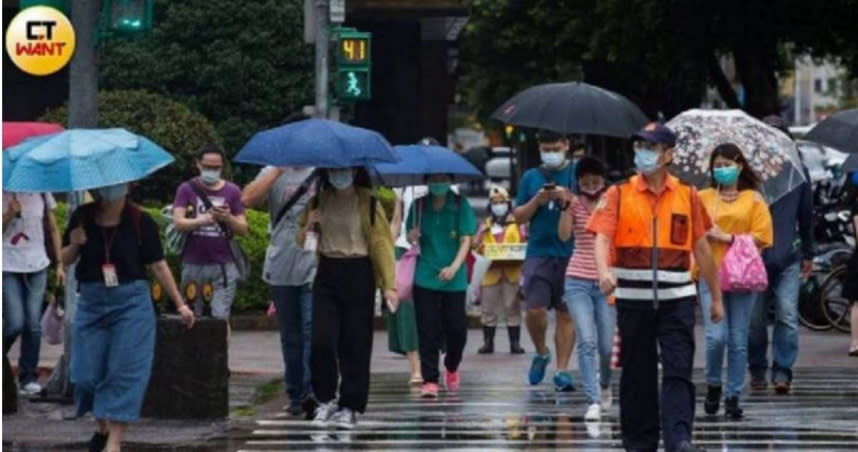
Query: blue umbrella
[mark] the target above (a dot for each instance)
(316, 142)
(419, 161)
(80, 159)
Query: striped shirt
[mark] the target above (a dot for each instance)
(583, 262)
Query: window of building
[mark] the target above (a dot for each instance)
(817, 85)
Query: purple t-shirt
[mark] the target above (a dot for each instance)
(208, 244)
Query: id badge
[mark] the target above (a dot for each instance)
(110, 278)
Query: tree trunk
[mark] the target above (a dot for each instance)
(756, 64)
(725, 89)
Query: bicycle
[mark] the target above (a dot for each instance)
(833, 305)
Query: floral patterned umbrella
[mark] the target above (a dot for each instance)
(771, 153)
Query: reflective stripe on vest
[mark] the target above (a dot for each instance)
(675, 293)
(647, 275)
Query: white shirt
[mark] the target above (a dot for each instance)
(24, 238)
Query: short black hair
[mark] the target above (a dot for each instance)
(211, 148)
(578, 145)
(549, 136)
(590, 165)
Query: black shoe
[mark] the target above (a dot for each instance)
(98, 442)
(685, 446)
(731, 408)
(309, 405)
(515, 340)
(713, 400)
(489, 341)
(295, 408)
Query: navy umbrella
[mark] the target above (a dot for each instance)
(316, 142)
(839, 131)
(417, 162)
(573, 107)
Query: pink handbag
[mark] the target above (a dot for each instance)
(742, 269)
(405, 269)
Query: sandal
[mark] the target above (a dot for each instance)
(416, 380)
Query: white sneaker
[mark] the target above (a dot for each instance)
(31, 388)
(607, 396)
(594, 413)
(324, 412)
(344, 419)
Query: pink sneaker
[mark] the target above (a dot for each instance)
(452, 380)
(429, 391)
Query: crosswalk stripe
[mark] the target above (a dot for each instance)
(819, 414)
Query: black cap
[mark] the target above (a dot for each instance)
(655, 132)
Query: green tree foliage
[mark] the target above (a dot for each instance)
(659, 53)
(177, 128)
(242, 64)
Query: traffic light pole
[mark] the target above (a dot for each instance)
(322, 40)
(83, 113)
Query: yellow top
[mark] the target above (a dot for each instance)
(748, 214)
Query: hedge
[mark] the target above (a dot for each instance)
(252, 295)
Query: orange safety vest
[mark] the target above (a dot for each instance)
(512, 271)
(653, 244)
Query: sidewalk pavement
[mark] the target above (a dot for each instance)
(259, 353)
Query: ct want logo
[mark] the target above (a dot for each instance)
(40, 40)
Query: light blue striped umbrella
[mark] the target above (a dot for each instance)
(80, 159)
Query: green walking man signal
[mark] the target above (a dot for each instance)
(354, 62)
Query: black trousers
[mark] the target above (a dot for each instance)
(440, 320)
(643, 332)
(343, 309)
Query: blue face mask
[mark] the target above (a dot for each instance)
(646, 160)
(439, 189)
(727, 175)
(113, 192)
(341, 179)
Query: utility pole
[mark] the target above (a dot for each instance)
(322, 39)
(83, 113)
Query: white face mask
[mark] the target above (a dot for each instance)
(112, 192)
(500, 210)
(341, 179)
(553, 159)
(210, 177)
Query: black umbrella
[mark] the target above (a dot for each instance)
(839, 131)
(573, 107)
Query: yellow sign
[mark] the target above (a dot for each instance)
(505, 251)
(40, 40)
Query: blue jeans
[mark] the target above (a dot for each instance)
(294, 306)
(112, 348)
(23, 294)
(783, 290)
(594, 326)
(731, 332)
